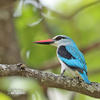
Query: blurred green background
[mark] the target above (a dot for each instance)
(42, 19)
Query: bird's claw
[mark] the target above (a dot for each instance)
(78, 78)
(62, 75)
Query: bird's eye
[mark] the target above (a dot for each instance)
(59, 38)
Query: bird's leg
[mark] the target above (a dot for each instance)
(77, 76)
(63, 69)
(62, 72)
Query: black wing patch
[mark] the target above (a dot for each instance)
(64, 53)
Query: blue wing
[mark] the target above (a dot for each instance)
(80, 60)
(71, 56)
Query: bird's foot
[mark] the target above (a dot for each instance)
(62, 74)
(77, 77)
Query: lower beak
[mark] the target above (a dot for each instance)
(49, 41)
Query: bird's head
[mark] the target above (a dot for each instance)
(56, 41)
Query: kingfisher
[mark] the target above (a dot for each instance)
(68, 54)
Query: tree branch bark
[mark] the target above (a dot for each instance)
(51, 80)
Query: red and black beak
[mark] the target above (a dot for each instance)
(49, 41)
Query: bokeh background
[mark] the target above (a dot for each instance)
(25, 21)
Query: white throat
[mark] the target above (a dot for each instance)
(62, 42)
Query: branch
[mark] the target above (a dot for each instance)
(90, 47)
(84, 7)
(77, 11)
(52, 80)
(94, 71)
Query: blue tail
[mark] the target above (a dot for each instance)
(85, 77)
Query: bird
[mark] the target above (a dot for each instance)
(69, 56)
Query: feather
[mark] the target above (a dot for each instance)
(72, 57)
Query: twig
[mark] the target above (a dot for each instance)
(77, 11)
(47, 28)
(52, 80)
(94, 71)
(90, 47)
(44, 23)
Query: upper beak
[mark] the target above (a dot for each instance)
(49, 41)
